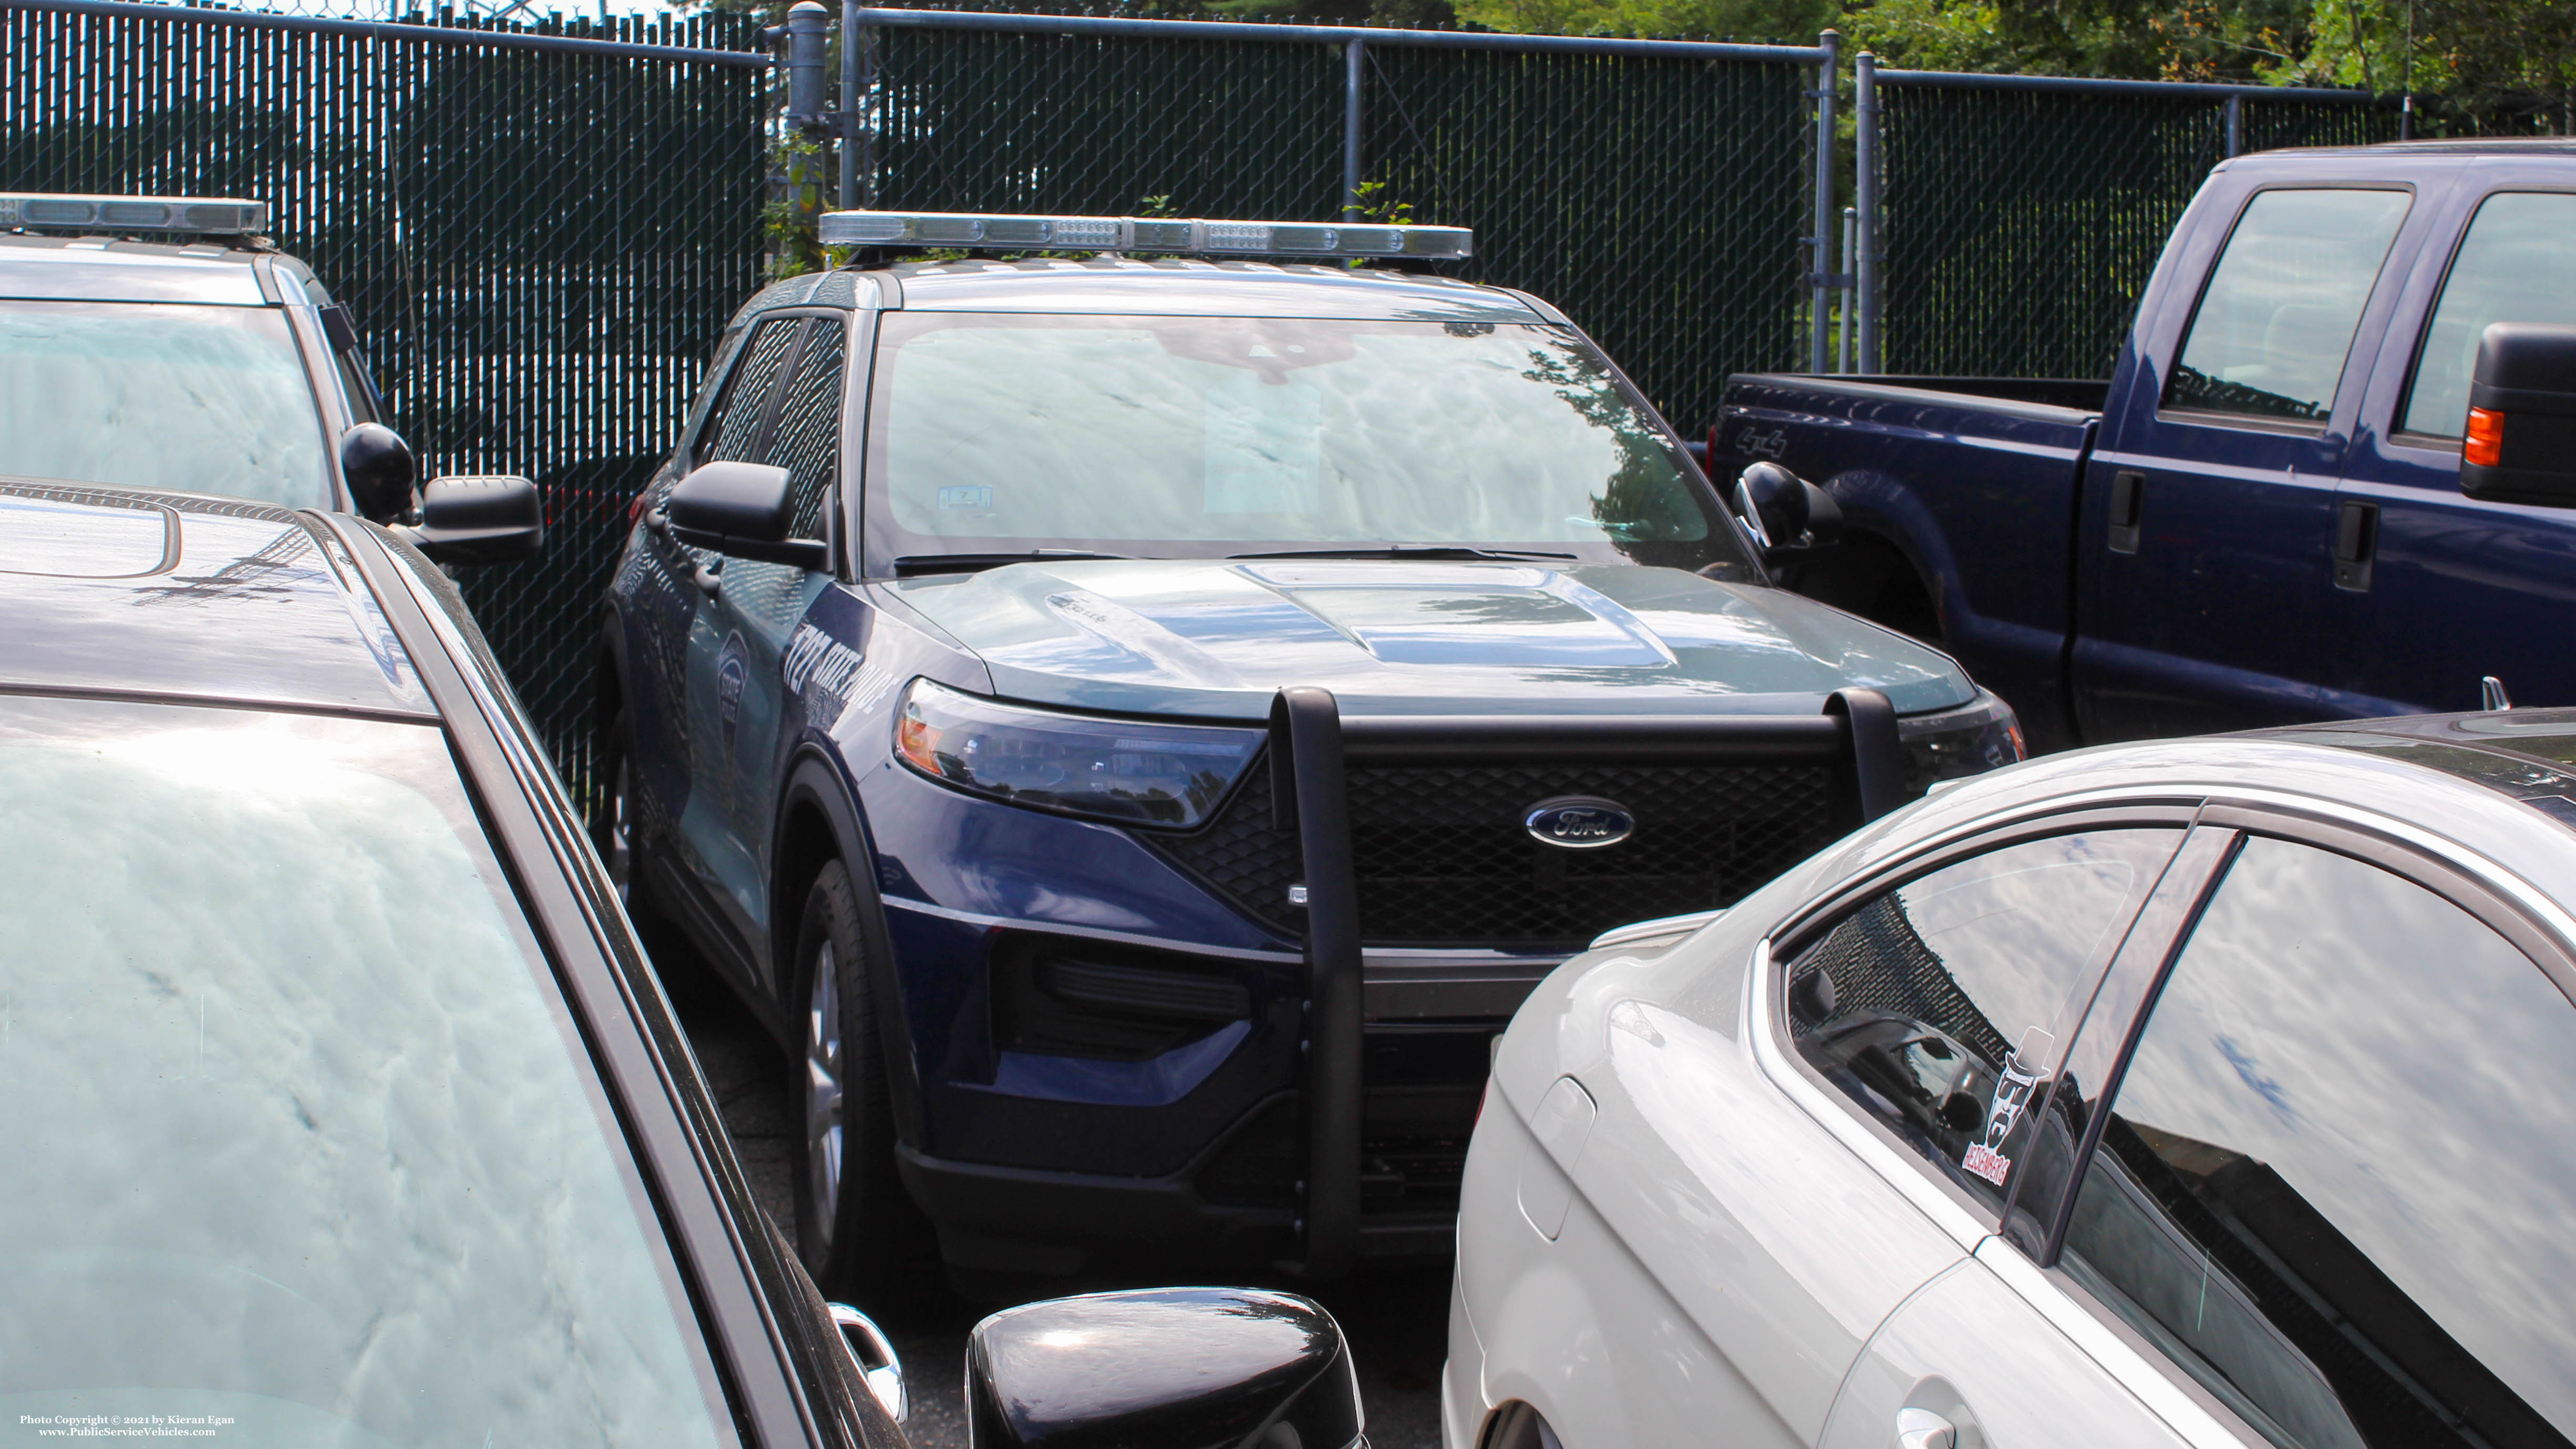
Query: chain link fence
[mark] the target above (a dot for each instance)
(1656, 194)
(540, 241)
(2021, 219)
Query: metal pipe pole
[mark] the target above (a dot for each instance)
(1354, 63)
(853, 39)
(1820, 240)
(1851, 294)
(807, 27)
(1865, 240)
(2235, 125)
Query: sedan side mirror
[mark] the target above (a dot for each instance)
(380, 471)
(2521, 438)
(742, 510)
(1785, 512)
(1164, 1368)
(497, 519)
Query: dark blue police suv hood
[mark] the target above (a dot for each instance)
(1217, 638)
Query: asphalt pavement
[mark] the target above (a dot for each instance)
(1396, 1318)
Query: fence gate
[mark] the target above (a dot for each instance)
(540, 230)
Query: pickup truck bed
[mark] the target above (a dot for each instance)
(1979, 564)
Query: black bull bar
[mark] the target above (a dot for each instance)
(1310, 744)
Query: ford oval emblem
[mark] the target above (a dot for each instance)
(1579, 822)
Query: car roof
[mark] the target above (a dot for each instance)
(107, 269)
(143, 595)
(1178, 287)
(2463, 150)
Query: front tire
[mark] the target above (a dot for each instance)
(859, 1233)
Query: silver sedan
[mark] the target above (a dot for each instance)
(2212, 1092)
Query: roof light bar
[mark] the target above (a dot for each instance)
(226, 214)
(1141, 234)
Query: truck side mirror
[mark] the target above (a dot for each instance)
(497, 519)
(1162, 1368)
(741, 510)
(2520, 445)
(380, 471)
(1784, 511)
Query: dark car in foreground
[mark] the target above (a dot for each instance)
(2289, 502)
(2216, 1092)
(164, 342)
(342, 1108)
(1135, 729)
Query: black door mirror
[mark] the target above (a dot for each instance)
(742, 510)
(498, 519)
(1785, 512)
(1164, 1368)
(380, 470)
(2521, 439)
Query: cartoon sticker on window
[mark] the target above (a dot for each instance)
(2021, 1076)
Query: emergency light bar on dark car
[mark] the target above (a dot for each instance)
(224, 214)
(1142, 234)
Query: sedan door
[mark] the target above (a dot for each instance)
(2321, 1204)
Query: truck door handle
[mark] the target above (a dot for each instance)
(2356, 542)
(2128, 502)
(1923, 1429)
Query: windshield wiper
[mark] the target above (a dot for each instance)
(907, 565)
(1410, 550)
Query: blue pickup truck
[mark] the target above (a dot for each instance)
(2261, 518)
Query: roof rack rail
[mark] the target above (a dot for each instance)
(1142, 234)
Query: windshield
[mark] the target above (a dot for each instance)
(164, 395)
(302, 1145)
(1200, 436)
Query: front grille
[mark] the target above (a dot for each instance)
(1443, 860)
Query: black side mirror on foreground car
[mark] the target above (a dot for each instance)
(1163, 1368)
(1784, 512)
(2521, 438)
(741, 510)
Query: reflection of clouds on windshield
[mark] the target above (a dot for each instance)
(293, 1113)
(1092, 430)
(2407, 1072)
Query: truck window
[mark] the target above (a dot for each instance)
(2282, 303)
(2517, 264)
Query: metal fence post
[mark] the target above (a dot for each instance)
(808, 40)
(1821, 239)
(2235, 125)
(853, 41)
(1865, 254)
(1354, 62)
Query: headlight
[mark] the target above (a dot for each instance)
(1143, 774)
(1978, 736)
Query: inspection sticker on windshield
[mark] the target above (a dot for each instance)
(978, 495)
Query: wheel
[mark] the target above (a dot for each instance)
(859, 1233)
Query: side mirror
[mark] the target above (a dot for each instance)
(2521, 438)
(1164, 1368)
(742, 510)
(497, 519)
(1784, 511)
(380, 470)
(874, 1353)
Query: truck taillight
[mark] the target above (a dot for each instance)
(2484, 445)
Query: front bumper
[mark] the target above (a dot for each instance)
(1317, 1105)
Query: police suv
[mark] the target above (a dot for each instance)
(1136, 726)
(163, 343)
